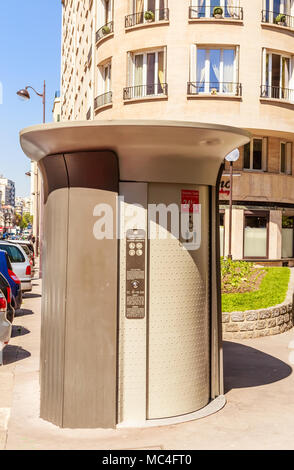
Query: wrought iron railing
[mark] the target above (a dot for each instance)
(141, 91)
(88, 115)
(276, 92)
(277, 18)
(206, 11)
(139, 18)
(214, 88)
(104, 31)
(102, 100)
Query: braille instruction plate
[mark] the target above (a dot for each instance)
(135, 274)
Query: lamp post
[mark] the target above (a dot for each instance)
(24, 95)
(231, 157)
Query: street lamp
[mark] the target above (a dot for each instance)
(231, 157)
(24, 95)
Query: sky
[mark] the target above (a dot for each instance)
(30, 48)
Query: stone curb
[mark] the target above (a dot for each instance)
(263, 322)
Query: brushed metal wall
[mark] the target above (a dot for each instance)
(54, 306)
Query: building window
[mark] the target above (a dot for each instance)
(278, 12)
(147, 11)
(104, 12)
(104, 19)
(214, 70)
(146, 75)
(104, 85)
(286, 158)
(277, 76)
(255, 155)
(255, 235)
(287, 237)
(205, 8)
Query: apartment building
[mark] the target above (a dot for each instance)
(187, 60)
(7, 191)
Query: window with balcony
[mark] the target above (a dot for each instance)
(286, 158)
(214, 71)
(104, 19)
(147, 75)
(104, 86)
(255, 155)
(147, 11)
(230, 9)
(277, 76)
(279, 12)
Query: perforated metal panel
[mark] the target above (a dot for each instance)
(178, 328)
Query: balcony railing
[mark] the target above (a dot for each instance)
(142, 91)
(197, 12)
(214, 88)
(104, 31)
(280, 19)
(88, 115)
(103, 100)
(139, 18)
(276, 92)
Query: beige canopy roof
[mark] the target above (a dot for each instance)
(166, 151)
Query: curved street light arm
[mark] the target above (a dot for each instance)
(39, 94)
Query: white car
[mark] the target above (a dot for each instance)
(20, 264)
(5, 325)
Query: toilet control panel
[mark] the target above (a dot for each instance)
(135, 274)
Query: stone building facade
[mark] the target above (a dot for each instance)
(177, 60)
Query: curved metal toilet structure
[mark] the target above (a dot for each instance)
(131, 325)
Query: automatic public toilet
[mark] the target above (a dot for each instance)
(131, 323)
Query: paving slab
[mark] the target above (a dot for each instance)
(259, 413)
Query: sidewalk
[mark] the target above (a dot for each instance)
(259, 390)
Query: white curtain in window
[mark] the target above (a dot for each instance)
(230, 4)
(228, 61)
(200, 75)
(198, 7)
(138, 75)
(215, 63)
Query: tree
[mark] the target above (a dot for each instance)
(17, 220)
(25, 221)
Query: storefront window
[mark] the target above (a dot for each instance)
(221, 233)
(287, 237)
(255, 236)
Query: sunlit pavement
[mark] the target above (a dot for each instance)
(259, 390)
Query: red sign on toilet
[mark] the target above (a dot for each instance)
(190, 201)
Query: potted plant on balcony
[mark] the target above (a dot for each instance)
(218, 12)
(149, 16)
(105, 30)
(281, 19)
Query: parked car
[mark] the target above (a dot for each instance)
(20, 264)
(28, 248)
(7, 271)
(7, 291)
(5, 325)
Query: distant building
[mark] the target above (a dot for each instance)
(57, 107)
(7, 190)
(23, 205)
